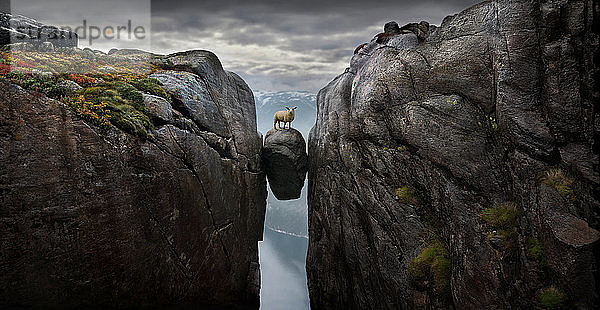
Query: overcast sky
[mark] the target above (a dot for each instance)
(273, 45)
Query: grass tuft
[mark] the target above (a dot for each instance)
(432, 264)
(551, 298)
(561, 182)
(406, 194)
(504, 220)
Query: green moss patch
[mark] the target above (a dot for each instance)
(560, 181)
(406, 194)
(151, 86)
(504, 220)
(551, 298)
(432, 264)
(535, 251)
(131, 120)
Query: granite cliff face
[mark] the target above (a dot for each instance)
(106, 219)
(457, 166)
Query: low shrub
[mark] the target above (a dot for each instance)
(561, 182)
(551, 298)
(96, 113)
(432, 264)
(121, 103)
(535, 251)
(406, 194)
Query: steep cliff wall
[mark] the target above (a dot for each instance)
(94, 217)
(458, 165)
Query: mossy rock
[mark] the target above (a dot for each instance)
(560, 181)
(432, 264)
(151, 86)
(131, 120)
(551, 298)
(535, 251)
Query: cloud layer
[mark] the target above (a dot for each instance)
(284, 45)
(274, 45)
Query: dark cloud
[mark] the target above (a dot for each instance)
(277, 45)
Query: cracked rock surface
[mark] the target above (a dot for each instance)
(113, 221)
(471, 118)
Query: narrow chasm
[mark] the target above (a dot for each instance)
(282, 253)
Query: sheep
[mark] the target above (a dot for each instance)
(285, 117)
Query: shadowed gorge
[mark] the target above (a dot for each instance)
(450, 166)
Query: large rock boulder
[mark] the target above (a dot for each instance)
(95, 218)
(439, 169)
(286, 162)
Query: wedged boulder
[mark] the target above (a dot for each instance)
(286, 162)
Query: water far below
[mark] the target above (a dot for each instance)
(283, 273)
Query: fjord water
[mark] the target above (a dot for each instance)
(283, 274)
(285, 242)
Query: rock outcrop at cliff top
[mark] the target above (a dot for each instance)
(109, 220)
(21, 29)
(479, 145)
(286, 162)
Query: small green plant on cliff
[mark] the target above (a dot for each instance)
(504, 219)
(151, 86)
(561, 182)
(117, 102)
(406, 194)
(535, 251)
(49, 85)
(551, 298)
(432, 264)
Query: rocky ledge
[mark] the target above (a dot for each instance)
(21, 32)
(101, 217)
(457, 166)
(286, 162)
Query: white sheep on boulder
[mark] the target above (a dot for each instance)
(285, 117)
